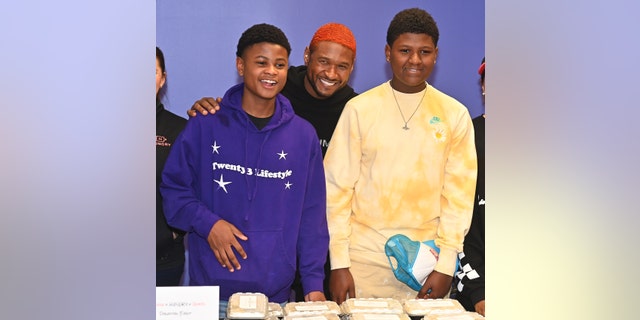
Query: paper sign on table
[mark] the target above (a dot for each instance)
(187, 303)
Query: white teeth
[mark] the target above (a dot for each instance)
(328, 83)
(269, 81)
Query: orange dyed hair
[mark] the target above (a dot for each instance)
(335, 32)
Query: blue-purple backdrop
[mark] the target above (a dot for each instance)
(199, 38)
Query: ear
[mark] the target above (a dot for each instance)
(436, 57)
(163, 79)
(307, 52)
(387, 52)
(240, 66)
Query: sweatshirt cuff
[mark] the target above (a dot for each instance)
(477, 295)
(204, 224)
(312, 285)
(339, 256)
(447, 261)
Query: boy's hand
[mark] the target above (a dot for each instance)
(436, 286)
(223, 238)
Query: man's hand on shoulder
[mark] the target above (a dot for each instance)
(204, 106)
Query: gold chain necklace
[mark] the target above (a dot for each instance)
(393, 91)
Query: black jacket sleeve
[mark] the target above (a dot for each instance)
(471, 274)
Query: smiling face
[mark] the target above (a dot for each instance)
(264, 68)
(412, 57)
(329, 66)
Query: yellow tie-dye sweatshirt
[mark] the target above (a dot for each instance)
(384, 180)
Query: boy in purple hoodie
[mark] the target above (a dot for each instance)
(248, 184)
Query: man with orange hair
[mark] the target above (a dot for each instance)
(318, 91)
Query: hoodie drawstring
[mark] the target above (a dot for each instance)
(252, 191)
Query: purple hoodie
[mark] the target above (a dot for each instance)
(268, 183)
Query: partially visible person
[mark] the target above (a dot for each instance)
(248, 184)
(471, 276)
(401, 161)
(169, 241)
(318, 91)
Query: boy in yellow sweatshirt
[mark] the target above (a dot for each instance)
(401, 160)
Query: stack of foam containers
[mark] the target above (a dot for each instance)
(437, 309)
(373, 309)
(247, 305)
(312, 310)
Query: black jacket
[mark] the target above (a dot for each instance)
(169, 251)
(471, 276)
(322, 114)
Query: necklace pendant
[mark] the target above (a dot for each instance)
(406, 127)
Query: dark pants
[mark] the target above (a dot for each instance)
(168, 277)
